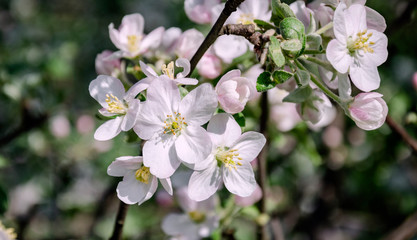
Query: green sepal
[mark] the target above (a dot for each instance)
(280, 76)
(314, 41)
(299, 95)
(303, 77)
(292, 28)
(275, 52)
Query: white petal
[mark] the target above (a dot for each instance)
(380, 54)
(355, 19)
(240, 181)
(121, 165)
(186, 81)
(103, 85)
(180, 225)
(374, 20)
(130, 190)
(152, 40)
(204, 183)
(338, 55)
(161, 158)
(148, 71)
(185, 64)
(365, 77)
(136, 89)
(132, 24)
(339, 26)
(199, 105)
(249, 145)
(166, 183)
(131, 115)
(229, 75)
(152, 189)
(193, 145)
(109, 129)
(223, 129)
(229, 47)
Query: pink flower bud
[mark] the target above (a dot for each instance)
(210, 66)
(368, 110)
(105, 65)
(233, 91)
(199, 11)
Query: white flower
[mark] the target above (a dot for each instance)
(188, 43)
(106, 65)
(123, 107)
(368, 110)
(199, 11)
(138, 183)
(199, 219)
(173, 126)
(229, 160)
(129, 38)
(7, 233)
(356, 49)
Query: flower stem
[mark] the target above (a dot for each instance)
(324, 28)
(322, 63)
(120, 220)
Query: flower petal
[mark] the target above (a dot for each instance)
(374, 20)
(148, 71)
(152, 40)
(122, 165)
(223, 129)
(130, 190)
(380, 53)
(229, 47)
(109, 129)
(365, 77)
(103, 85)
(152, 189)
(185, 64)
(180, 225)
(240, 181)
(193, 145)
(166, 183)
(338, 55)
(204, 183)
(161, 158)
(131, 115)
(249, 145)
(199, 105)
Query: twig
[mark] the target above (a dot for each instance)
(406, 230)
(120, 220)
(404, 135)
(229, 7)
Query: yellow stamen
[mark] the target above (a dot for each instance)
(197, 217)
(115, 105)
(143, 174)
(229, 158)
(168, 70)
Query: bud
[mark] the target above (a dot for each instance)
(368, 110)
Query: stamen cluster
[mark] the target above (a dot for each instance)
(174, 124)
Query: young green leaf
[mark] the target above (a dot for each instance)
(275, 52)
(280, 76)
(264, 82)
(299, 95)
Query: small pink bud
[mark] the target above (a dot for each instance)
(106, 65)
(210, 66)
(368, 110)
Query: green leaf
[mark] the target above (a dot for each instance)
(303, 77)
(299, 95)
(280, 76)
(312, 26)
(314, 41)
(264, 82)
(275, 52)
(240, 119)
(292, 46)
(292, 28)
(264, 25)
(280, 11)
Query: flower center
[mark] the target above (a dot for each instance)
(143, 174)
(168, 70)
(230, 158)
(245, 18)
(174, 124)
(133, 42)
(361, 42)
(197, 217)
(115, 105)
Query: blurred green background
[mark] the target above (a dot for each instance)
(337, 183)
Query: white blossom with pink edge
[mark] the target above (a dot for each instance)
(234, 91)
(229, 160)
(172, 126)
(199, 11)
(106, 65)
(188, 43)
(138, 184)
(198, 221)
(368, 110)
(356, 49)
(210, 66)
(122, 106)
(129, 38)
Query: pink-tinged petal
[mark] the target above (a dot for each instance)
(355, 19)
(115, 38)
(301, 12)
(130, 190)
(132, 24)
(338, 55)
(374, 20)
(185, 64)
(137, 88)
(152, 189)
(186, 81)
(152, 40)
(240, 181)
(129, 119)
(368, 110)
(199, 105)
(229, 47)
(380, 53)
(258, 8)
(210, 66)
(166, 183)
(204, 183)
(229, 75)
(148, 71)
(365, 77)
(339, 26)
(249, 145)
(170, 37)
(161, 158)
(193, 145)
(188, 43)
(103, 85)
(223, 129)
(122, 165)
(109, 129)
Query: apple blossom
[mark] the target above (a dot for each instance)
(368, 110)
(199, 220)
(188, 43)
(173, 126)
(129, 38)
(210, 66)
(229, 160)
(138, 183)
(233, 91)
(199, 11)
(356, 49)
(121, 106)
(106, 65)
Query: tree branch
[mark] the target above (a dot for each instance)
(406, 230)
(120, 220)
(229, 8)
(404, 135)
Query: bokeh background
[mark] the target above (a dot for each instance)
(336, 183)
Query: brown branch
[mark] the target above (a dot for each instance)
(404, 135)
(229, 8)
(406, 230)
(120, 220)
